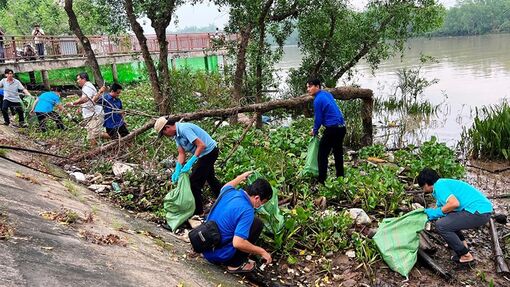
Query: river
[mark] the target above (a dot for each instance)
(472, 71)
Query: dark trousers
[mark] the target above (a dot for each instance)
(117, 132)
(40, 49)
(43, 117)
(332, 139)
(204, 171)
(450, 228)
(241, 257)
(6, 104)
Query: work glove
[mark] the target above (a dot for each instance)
(189, 164)
(434, 213)
(177, 172)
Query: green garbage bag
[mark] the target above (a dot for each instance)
(179, 203)
(270, 212)
(398, 240)
(311, 164)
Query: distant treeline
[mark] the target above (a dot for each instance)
(475, 17)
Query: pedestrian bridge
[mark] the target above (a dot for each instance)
(21, 55)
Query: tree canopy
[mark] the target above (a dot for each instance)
(475, 17)
(18, 17)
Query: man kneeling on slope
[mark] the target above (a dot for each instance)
(234, 213)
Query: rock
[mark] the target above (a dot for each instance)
(349, 283)
(329, 254)
(119, 168)
(416, 205)
(78, 176)
(99, 188)
(308, 257)
(350, 254)
(306, 269)
(360, 216)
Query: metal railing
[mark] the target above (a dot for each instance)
(26, 48)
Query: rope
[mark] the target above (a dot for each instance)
(30, 150)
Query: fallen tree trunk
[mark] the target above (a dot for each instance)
(343, 93)
(499, 257)
(425, 258)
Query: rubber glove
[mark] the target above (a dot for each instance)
(189, 164)
(434, 213)
(177, 172)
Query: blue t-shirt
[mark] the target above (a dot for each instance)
(234, 215)
(186, 133)
(112, 108)
(47, 101)
(326, 111)
(470, 198)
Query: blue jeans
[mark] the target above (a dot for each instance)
(450, 228)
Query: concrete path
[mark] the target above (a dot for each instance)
(43, 252)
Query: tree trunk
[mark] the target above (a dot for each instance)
(91, 57)
(240, 66)
(164, 73)
(343, 93)
(260, 52)
(149, 63)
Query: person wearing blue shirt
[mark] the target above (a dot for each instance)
(44, 106)
(459, 206)
(112, 110)
(234, 214)
(327, 114)
(193, 139)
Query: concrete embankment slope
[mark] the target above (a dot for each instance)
(105, 246)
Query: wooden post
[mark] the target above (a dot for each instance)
(45, 78)
(206, 61)
(499, 256)
(31, 75)
(115, 73)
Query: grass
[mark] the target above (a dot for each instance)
(489, 136)
(71, 187)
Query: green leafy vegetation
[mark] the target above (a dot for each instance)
(475, 17)
(489, 136)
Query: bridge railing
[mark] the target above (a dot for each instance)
(28, 48)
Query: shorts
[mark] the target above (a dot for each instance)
(114, 133)
(94, 126)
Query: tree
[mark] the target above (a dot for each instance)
(249, 20)
(334, 37)
(160, 13)
(91, 57)
(19, 16)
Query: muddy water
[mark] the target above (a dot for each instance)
(472, 72)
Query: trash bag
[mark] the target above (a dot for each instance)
(311, 165)
(270, 212)
(179, 203)
(398, 240)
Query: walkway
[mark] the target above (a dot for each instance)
(20, 52)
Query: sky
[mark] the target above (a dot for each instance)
(204, 14)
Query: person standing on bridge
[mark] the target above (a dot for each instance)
(92, 113)
(12, 100)
(38, 34)
(327, 114)
(191, 138)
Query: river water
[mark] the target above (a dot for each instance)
(472, 72)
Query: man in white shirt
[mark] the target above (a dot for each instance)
(38, 34)
(92, 113)
(11, 99)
